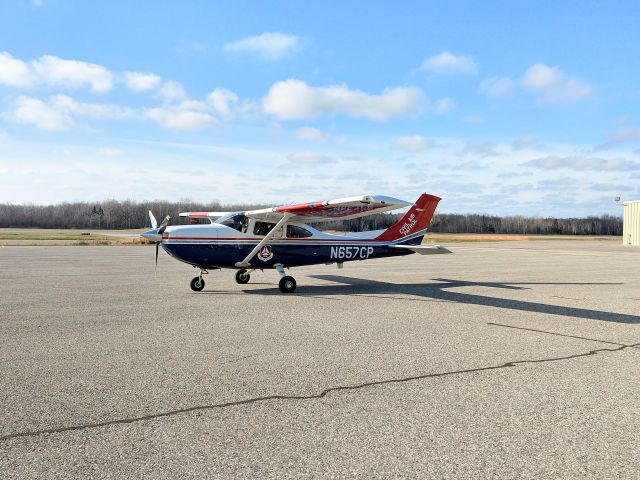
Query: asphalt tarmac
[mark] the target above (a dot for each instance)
(505, 360)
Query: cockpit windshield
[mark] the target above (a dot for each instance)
(238, 221)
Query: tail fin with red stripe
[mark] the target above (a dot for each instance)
(416, 219)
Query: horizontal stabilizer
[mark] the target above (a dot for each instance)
(424, 249)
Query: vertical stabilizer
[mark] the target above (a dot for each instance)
(416, 219)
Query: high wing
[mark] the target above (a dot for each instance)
(337, 209)
(212, 215)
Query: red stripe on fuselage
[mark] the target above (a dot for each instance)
(276, 239)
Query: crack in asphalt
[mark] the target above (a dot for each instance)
(323, 393)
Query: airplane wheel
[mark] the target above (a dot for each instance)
(242, 277)
(197, 284)
(287, 284)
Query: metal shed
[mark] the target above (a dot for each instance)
(631, 223)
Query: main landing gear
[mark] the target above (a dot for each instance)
(242, 277)
(287, 284)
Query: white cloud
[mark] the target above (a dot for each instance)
(294, 99)
(68, 105)
(473, 119)
(628, 134)
(444, 105)
(111, 152)
(580, 163)
(36, 112)
(13, 72)
(222, 101)
(311, 134)
(479, 147)
(58, 112)
(186, 115)
(268, 45)
(449, 63)
(412, 143)
(554, 86)
(622, 120)
(308, 158)
(172, 92)
(141, 82)
(49, 69)
(497, 87)
(525, 141)
(619, 136)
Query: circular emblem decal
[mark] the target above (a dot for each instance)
(265, 253)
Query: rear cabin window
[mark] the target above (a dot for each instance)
(294, 231)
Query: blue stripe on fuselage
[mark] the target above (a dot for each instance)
(212, 254)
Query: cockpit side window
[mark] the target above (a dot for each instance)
(263, 228)
(237, 222)
(295, 231)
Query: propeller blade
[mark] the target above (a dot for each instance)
(154, 222)
(164, 224)
(157, 248)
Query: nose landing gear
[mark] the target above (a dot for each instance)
(197, 283)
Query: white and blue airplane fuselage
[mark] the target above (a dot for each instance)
(247, 241)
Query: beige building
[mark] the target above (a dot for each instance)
(631, 223)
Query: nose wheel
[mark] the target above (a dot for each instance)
(197, 284)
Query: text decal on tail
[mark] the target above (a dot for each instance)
(411, 222)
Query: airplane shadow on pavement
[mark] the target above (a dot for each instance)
(442, 291)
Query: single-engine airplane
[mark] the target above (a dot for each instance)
(279, 238)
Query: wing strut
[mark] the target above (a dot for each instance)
(245, 263)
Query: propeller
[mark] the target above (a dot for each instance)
(156, 232)
(163, 227)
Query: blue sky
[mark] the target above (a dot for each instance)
(526, 108)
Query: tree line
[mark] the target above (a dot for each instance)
(476, 223)
(115, 214)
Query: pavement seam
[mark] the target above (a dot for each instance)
(558, 334)
(322, 394)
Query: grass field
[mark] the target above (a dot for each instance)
(41, 236)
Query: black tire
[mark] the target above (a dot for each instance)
(197, 284)
(242, 277)
(287, 284)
